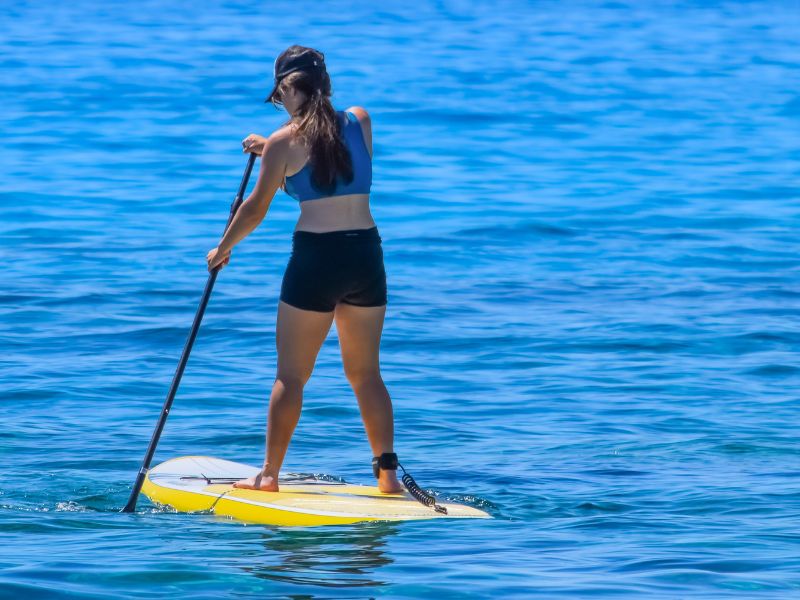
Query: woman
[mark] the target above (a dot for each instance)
(323, 158)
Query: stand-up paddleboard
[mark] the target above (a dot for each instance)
(203, 483)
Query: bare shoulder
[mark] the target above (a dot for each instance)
(281, 137)
(279, 144)
(361, 113)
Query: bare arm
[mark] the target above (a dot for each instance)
(254, 209)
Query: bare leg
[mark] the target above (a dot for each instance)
(359, 329)
(299, 336)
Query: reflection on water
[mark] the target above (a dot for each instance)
(337, 556)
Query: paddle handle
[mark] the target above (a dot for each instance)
(176, 380)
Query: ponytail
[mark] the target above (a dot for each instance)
(319, 127)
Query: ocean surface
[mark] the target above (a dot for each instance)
(590, 219)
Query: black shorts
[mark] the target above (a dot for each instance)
(336, 266)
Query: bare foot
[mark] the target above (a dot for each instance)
(262, 481)
(388, 483)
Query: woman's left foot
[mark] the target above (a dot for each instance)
(263, 482)
(388, 483)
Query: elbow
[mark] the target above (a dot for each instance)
(255, 212)
(253, 219)
(259, 212)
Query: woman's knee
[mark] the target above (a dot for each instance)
(360, 378)
(291, 383)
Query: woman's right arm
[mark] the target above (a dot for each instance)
(254, 209)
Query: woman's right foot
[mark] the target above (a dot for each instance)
(263, 481)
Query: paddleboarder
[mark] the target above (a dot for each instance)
(322, 157)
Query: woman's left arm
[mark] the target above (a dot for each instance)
(254, 209)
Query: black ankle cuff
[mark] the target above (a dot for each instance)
(386, 461)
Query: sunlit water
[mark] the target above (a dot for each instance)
(589, 214)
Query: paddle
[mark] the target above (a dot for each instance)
(176, 380)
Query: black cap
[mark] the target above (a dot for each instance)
(307, 61)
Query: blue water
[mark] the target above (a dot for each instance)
(589, 214)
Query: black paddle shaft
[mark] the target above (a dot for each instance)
(176, 380)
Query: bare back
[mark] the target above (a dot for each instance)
(331, 213)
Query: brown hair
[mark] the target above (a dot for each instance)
(317, 124)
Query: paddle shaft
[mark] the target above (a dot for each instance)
(176, 380)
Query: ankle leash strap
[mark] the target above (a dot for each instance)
(388, 461)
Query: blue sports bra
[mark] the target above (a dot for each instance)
(299, 187)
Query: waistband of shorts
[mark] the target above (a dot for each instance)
(339, 235)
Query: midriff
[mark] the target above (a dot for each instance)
(334, 213)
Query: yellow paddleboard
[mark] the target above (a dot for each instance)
(203, 483)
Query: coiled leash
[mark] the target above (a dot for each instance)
(388, 462)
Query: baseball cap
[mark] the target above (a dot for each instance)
(305, 61)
